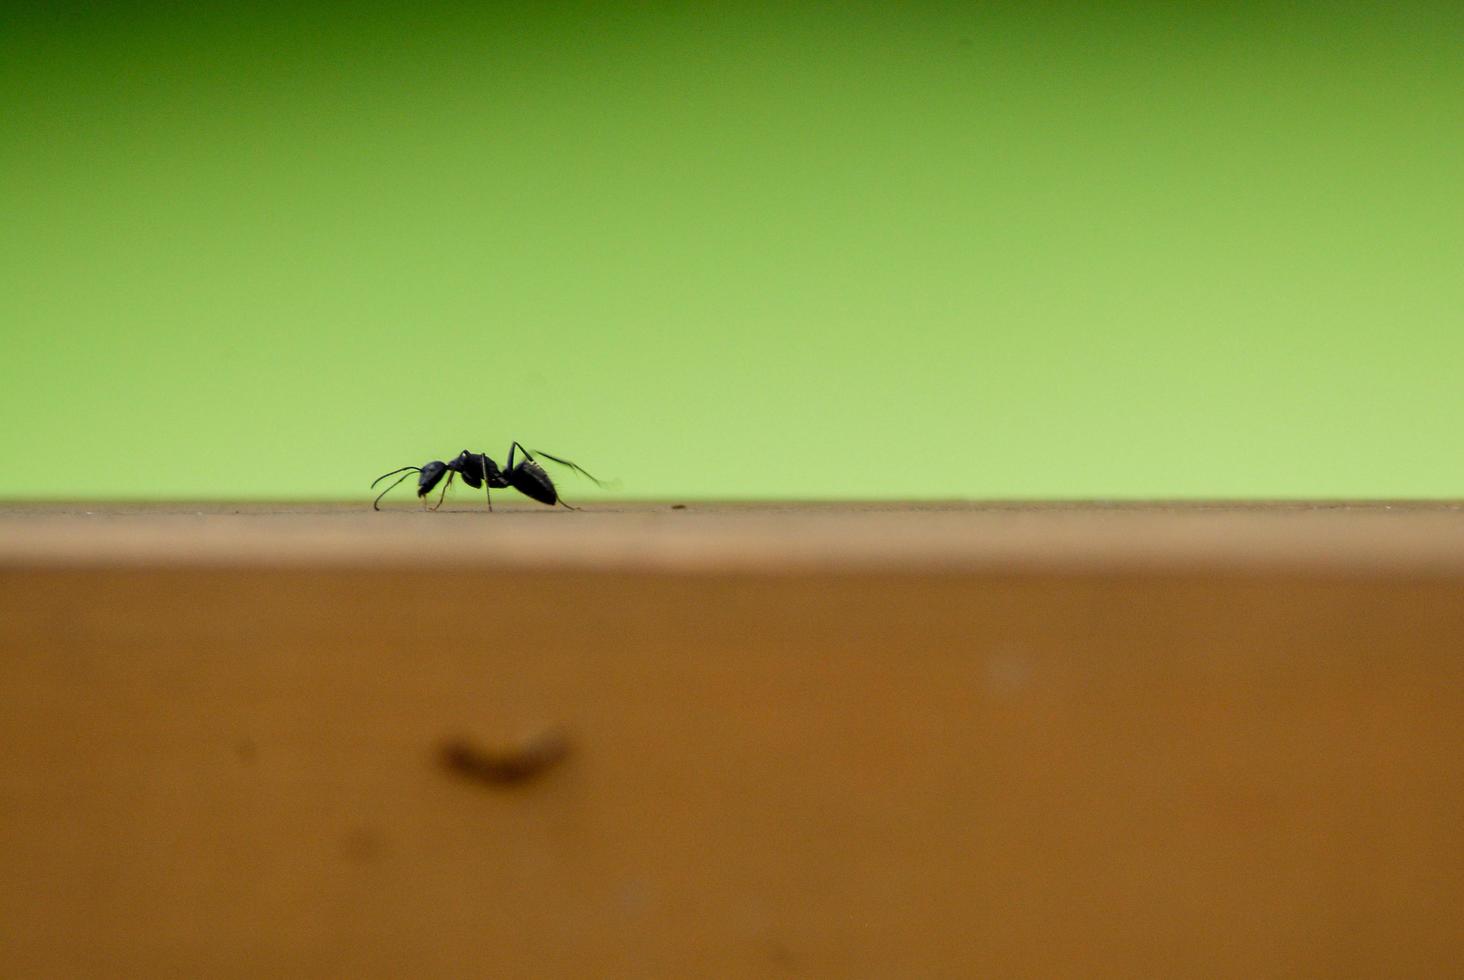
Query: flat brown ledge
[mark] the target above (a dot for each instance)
(1332, 537)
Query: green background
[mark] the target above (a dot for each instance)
(873, 250)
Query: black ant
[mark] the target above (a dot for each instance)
(478, 470)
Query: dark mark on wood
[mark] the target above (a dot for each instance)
(362, 845)
(505, 765)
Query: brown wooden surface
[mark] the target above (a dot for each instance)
(1346, 537)
(821, 741)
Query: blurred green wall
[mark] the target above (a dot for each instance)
(795, 250)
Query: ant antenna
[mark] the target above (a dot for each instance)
(415, 469)
(408, 470)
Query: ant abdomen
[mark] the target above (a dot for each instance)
(530, 480)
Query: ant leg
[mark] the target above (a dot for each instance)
(487, 491)
(574, 466)
(443, 496)
(562, 462)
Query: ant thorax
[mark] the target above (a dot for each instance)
(477, 468)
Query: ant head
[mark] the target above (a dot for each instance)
(432, 474)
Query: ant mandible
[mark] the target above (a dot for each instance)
(478, 470)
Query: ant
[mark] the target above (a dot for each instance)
(478, 470)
